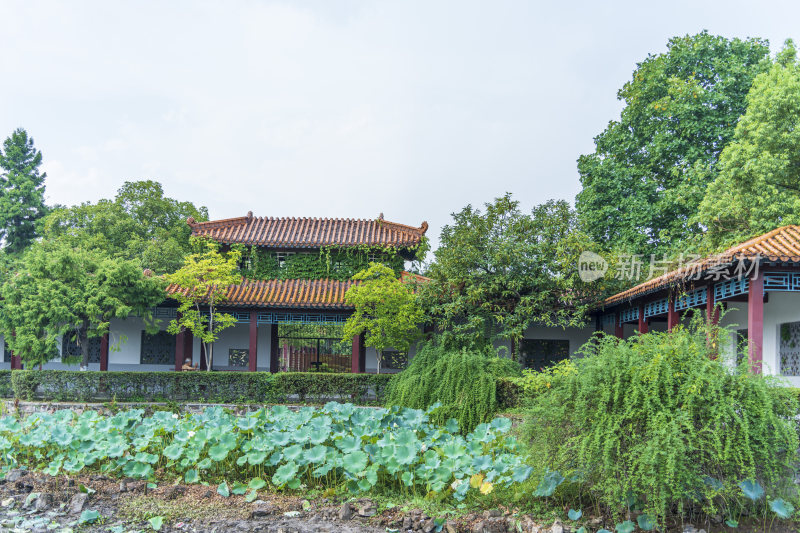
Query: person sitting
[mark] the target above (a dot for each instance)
(187, 365)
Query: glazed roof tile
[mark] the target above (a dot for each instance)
(779, 245)
(309, 232)
(286, 293)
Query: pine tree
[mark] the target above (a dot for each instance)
(21, 191)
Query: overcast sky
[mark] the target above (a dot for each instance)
(335, 108)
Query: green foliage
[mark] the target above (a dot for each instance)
(386, 310)
(6, 390)
(331, 263)
(203, 282)
(210, 387)
(497, 271)
(21, 191)
(333, 446)
(140, 224)
(462, 381)
(59, 290)
(757, 187)
(656, 421)
(651, 167)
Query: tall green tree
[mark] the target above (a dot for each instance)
(496, 271)
(21, 191)
(758, 186)
(201, 286)
(386, 311)
(648, 173)
(60, 290)
(139, 224)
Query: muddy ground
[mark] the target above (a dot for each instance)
(39, 503)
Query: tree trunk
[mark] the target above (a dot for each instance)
(83, 344)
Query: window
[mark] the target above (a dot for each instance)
(70, 348)
(374, 258)
(789, 350)
(6, 353)
(394, 360)
(239, 357)
(540, 353)
(281, 257)
(158, 349)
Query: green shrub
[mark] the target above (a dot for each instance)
(656, 423)
(6, 390)
(208, 387)
(463, 381)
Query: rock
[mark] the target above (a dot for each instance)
(428, 526)
(478, 527)
(207, 494)
(407, 522)
(557, 527)
(492, 513)
(262, 509)
(29, 501)
(366, 508)
(14, 474)
(689, 528)
(346, 511)
(43, 502)
(77, 502)
(306, 505)
(172, 492)
(451, 527)
(8, 502)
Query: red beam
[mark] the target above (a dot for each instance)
(755, 323)
(642, 321)
(104, 353)
(253, 354)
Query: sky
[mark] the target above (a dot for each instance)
(335, 108)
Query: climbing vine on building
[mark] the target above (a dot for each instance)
(332, 263)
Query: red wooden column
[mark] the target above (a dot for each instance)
(104, 353)
(180, 347)
(274, 349)
(359, 355)
(16, 362)
(672, 315)
(253, 353)
(755, 322)
(618, 331)
(642, 320)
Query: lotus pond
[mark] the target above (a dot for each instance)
(338, 445)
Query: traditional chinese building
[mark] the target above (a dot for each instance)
(290, 307)
(757, 283)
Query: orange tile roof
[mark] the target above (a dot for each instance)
(287, 293)
(781, 244)
(309, 232)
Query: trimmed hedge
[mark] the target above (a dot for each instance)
(6, 390)
(199, 386)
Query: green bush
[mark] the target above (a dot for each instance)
(6, 390)
(208, 387)
(463, 381)
(656, 423)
